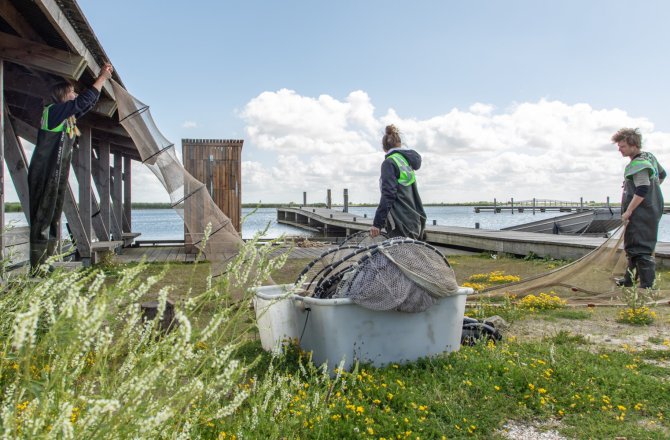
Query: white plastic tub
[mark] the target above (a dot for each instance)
(338, 329)
(276, 316)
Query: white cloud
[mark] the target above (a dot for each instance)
(189, 124)
(543, 149)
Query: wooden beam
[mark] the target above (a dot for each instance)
(14, 18)
(105, 107)
(2, 158)
(76, 226)
(83, 172)
(117, 188)
(24, 129)
(101, 231)
(55, 15)
(41, 57)
(16, 163)
(127, 194)
(108, 125)
(101, 180)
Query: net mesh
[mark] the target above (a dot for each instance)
(188, 196)
(588, 280)
(396, 274)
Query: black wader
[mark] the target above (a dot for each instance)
(642, 232)
(47, 183)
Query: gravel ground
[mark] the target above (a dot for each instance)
(520, 431)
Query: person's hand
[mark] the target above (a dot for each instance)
(625, 217)
(374, 231)
(106, 71)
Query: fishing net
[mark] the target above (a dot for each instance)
(588, 280)
(208, 228)
(395, 274)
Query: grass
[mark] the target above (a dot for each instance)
(78, 371)
(471, 394)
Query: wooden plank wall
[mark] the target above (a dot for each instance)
(222, 175)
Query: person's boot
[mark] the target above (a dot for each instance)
(38, 254)
(631, 273)
(646, 269)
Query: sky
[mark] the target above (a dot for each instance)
(501, 98)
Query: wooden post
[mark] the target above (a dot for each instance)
(581, 203)
(495, 206)
(16, 162)
(83, 171)
(533, 205)
(304, 198)
(346, 200)
(127, 194)
(608, 201)
(329, 203)
(102, 171)
(101, 231)
(117, 188)
(512, 205)
(2, 158)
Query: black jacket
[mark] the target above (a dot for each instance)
(400, 209)
(77, 107)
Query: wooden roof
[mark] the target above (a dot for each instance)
(42, 42)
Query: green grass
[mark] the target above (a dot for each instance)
(471, 394)
(553, 315)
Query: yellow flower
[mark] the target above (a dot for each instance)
(497, 388)
(371, 431)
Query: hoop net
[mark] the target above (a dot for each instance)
(396, 274)
(588, 280)
(188, 196)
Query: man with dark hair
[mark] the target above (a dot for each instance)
(50, 163)
(641, 207)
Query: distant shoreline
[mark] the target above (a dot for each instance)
(16, 207)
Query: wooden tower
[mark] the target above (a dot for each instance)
(218, 164)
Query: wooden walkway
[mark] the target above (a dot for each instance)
(331, 222)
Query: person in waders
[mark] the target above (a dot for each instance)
(50, 163)
(400, 210)
(641, 207)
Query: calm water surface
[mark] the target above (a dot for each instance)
(165, 224)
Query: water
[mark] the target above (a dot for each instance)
(165, 224)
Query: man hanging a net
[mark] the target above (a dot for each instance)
(50, 163)
(400, 210)
(641, 207)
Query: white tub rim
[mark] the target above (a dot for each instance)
(308, 300)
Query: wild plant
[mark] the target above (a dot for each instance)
(79, 360)
(637, 301)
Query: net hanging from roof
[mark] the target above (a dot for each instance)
(188, 196)
(588, 280)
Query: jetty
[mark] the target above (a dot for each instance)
(335, 223)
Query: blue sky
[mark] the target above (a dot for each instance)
(503, 98)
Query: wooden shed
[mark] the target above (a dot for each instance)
(218, 164)
(42, 42)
